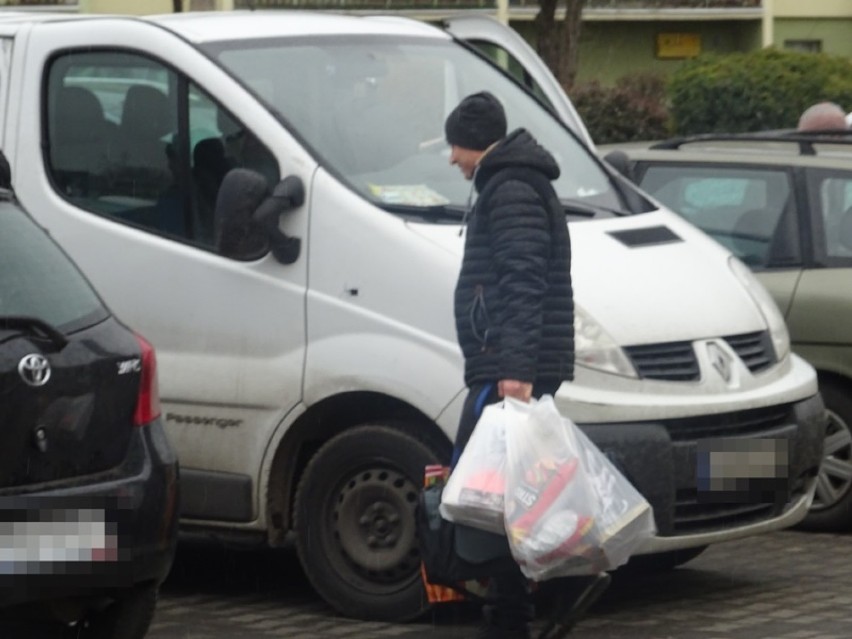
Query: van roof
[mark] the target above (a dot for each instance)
(219, 25)
(201, 26)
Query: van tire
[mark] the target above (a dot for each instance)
(355, 524)
(835, 515)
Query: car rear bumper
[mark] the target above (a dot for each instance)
(99, 534)
(661, 458)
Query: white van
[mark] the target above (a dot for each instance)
(308, 360)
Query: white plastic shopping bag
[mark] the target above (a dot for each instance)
(568, 510)
(474, 493)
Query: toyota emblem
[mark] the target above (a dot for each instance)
(34, 369)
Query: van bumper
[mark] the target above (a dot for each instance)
(661, 458)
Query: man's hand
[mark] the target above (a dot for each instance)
(514, 388)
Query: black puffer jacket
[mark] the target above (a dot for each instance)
(513, 301)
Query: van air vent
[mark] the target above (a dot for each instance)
(647, 236)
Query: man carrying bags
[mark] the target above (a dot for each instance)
(514, 307)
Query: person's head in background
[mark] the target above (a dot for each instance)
(823, 116)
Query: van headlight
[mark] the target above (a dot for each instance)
(594, 348)
(771, 315)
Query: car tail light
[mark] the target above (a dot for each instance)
(148, 402)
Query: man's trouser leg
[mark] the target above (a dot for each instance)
(512, 609)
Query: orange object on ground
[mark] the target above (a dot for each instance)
(439, 594)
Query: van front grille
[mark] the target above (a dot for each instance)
(674, 361)
(755, 349)
(751, 423)
(694, 516)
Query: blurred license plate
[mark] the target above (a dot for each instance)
(56, 536)
(742, 470)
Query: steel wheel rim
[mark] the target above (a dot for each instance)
(372, 528)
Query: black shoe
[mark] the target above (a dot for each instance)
(563, 621)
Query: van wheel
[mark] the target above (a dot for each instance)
(663, 561)
(355, 525)
(832, 506)
(127, 617)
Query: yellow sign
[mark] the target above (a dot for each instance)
(678, 45)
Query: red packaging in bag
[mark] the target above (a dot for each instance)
(484, 488)
(544, 483)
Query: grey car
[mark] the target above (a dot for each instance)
(781, 202)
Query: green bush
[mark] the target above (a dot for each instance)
(633, 109)
(760, 90)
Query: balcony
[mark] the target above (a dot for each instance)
(393, 5)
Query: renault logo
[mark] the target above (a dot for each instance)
(720, 361)
(34, 369)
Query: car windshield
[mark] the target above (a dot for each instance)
(373, 109)
(38, 281)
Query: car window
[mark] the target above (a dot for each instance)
(132, 140)
(38, 280)
(831, 195)
(749, 211)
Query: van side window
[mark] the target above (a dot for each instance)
(509, 63)
(219, 143)
(133, 141)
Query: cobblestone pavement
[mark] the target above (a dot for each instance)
(789, 585)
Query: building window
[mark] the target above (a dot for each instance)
(807, 46)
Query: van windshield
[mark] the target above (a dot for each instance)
(372, 108)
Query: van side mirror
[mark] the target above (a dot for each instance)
(247, 216)
(618, 160)
(287, 195)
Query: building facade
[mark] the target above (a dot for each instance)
(619, 37)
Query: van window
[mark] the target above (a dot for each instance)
(134, 141)
(509, 63)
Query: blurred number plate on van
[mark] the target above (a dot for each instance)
(746, 471)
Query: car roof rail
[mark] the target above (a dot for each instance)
(805, 139)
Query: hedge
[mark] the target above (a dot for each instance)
(634, 109)
(760, 90)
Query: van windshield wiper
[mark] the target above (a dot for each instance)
(34, 326)
(440, 212)
(455, 213)
(586, 209)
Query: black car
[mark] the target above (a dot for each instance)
(88, 480)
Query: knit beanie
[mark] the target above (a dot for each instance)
(476, 123)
